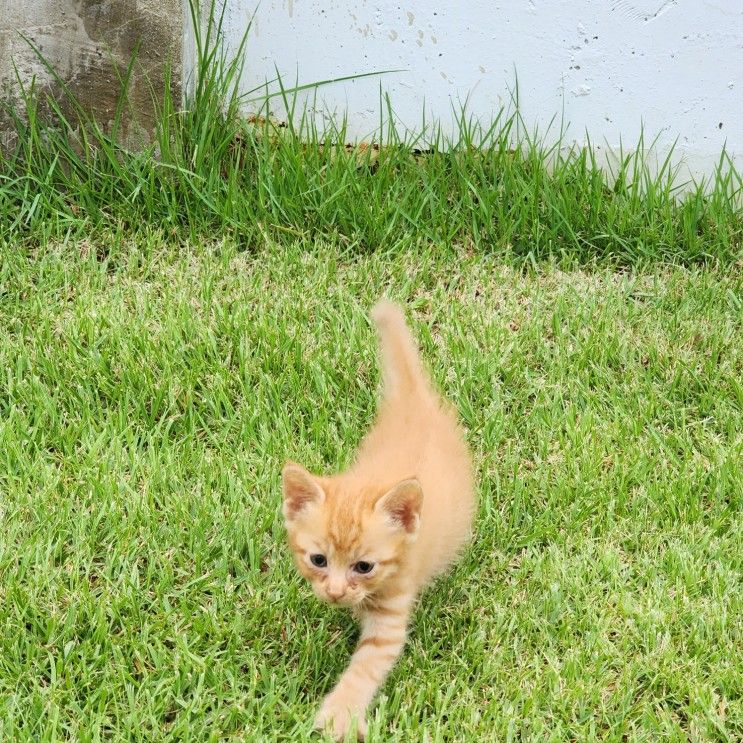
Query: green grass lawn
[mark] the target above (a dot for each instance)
(149, 395)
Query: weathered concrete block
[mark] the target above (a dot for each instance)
(87, 42)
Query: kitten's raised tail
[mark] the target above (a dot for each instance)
(402, 371)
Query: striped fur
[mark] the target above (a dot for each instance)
(405, 505)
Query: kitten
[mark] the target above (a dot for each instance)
(372, 537)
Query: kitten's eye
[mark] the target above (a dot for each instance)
(319, 561)
(363, 567)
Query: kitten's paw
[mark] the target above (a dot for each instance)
(338, 718)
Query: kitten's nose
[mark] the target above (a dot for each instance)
(335, 590)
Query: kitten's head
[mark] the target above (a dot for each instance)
(348, 544)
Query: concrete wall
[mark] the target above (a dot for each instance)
(87, 41)
(676, 65)
(607, 66)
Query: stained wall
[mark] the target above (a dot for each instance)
(89, 44)
(607, 67)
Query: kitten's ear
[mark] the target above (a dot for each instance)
(403, 504)
(300, 490)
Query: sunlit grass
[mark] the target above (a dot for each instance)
(150, 396)
(176, 322)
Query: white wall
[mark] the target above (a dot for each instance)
(674, 65)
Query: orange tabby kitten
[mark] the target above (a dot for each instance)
(370, 538)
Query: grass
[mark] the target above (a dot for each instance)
(150, 393)
(176, 322)
(496, 186)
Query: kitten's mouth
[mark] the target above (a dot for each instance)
(345, 602)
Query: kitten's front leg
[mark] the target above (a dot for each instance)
(383, 631)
